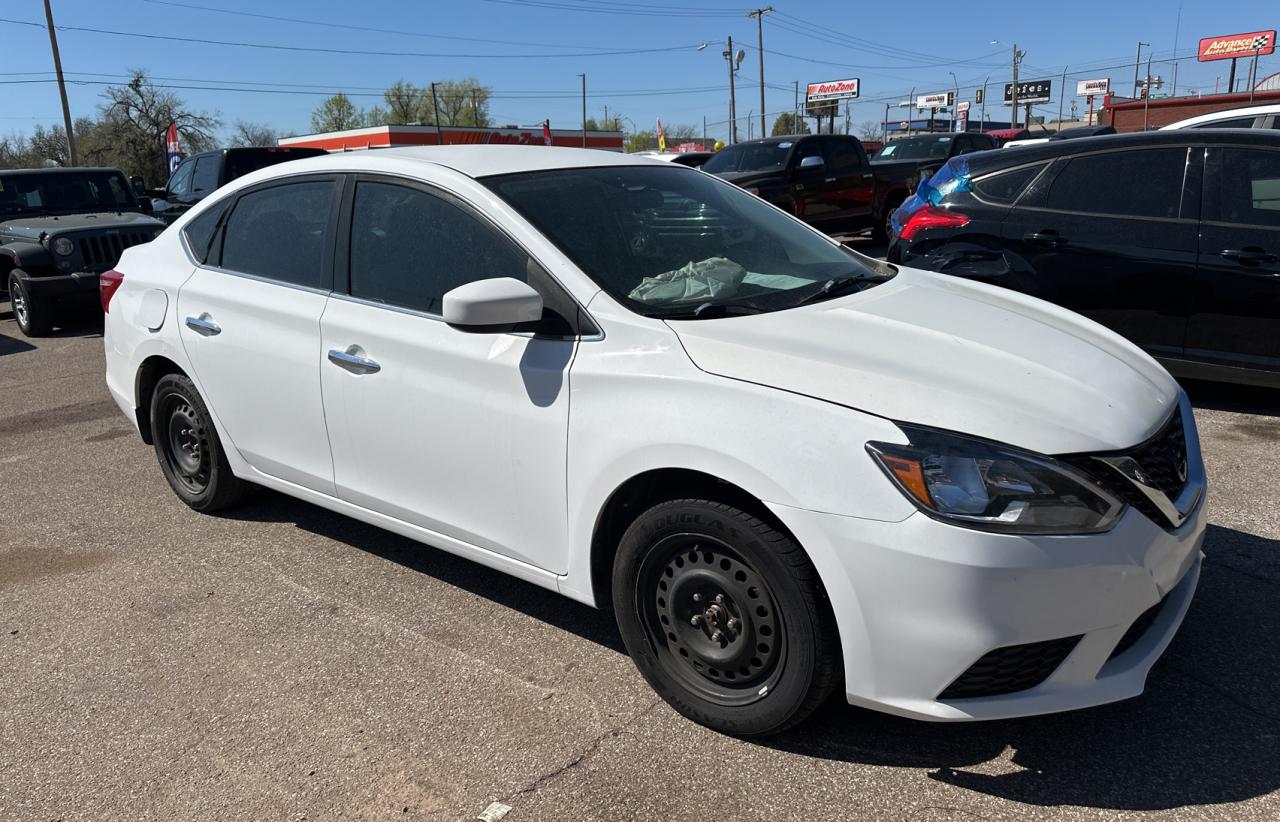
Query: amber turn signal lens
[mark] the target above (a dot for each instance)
(910, 476)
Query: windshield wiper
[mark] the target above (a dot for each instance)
(710, 310)
(837, 286)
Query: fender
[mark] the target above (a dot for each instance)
(24, 254)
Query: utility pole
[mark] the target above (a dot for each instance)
(983, 127)
(584, 109)
(704, 130)
(1062, 96)
(797, 111)
(885, 124)
(62, 86)
(605, 125)
(759, 15)
(435, 106)
(1137, 61)
(733, 110)
(1013, 100)
(1146, 96)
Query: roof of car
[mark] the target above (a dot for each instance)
(1225, 114)
(471, 160)
(57, 170)
(1082, 145)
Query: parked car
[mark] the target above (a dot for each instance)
(824, 179)
(692, 159)
(787, 467)
(200, 175)
(59, 229)
(1171, 238)
(1249, 117)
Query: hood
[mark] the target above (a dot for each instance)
(952, 354)
(53, 224)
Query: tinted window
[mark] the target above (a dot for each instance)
(808, 148)
(408, 248)
(1145, 183)
(200, 232)
(1247, 188)
(1004, 187)
(240, 162)
(205, 178)
(65, 192)
(180, 183)
(982, 142)
(282, 233)
(1238, 122)
(927, 147)
(843, 155)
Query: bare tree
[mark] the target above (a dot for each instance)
(134, 120)
(870, 130)
(406, 103)
(252, 134)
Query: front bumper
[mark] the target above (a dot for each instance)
(920, 601)
(79, 284)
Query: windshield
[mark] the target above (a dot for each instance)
(668, 242)
(749, 157)
(63, 192)
(928, 147)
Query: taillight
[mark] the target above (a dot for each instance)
(108, 283)
(930, 216)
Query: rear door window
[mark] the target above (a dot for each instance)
(1246, 188)
(1133, 183)
(1238, 122)
(843, 155)
(282, 233)
(1003, 188)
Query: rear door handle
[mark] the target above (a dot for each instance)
(1047, 237)
(1248, 256)
(204, 325)
(352, 361)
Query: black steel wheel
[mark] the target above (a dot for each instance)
(188, 448)
(725, 616)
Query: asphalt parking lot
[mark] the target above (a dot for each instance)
(282, 662)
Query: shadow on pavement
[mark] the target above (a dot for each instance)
(14, 345)
(1205, 732)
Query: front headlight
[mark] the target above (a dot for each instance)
(63, 247)
(994, 487)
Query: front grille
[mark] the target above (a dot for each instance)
(1136, 631)
(1163, 460)
(102, 251)
(1011, 669)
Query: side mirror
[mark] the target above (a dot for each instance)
(144, 203)
(812, 161)
(492, 306)
(139, 185)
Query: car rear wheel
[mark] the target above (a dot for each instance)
(725, 617)
(188, 448)
(883, 229)
(33, 317)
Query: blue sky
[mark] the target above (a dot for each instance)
(892, 47)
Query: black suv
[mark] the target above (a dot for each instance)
(59, 229)
(1171, 238)
(200, 175)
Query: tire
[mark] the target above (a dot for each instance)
(187, 446)
(776, 658)
(883, 227)
(34, 317)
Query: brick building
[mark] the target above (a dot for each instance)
(1127, 114)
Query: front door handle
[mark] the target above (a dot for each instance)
(204, 325)
(1248, 256)
(1047, 237)
(352, 361)
(831, 179)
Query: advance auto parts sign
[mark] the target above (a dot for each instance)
(1238, 45)
(832, 90)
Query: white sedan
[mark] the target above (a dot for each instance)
(788, 468)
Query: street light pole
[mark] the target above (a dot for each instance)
(733, 109)
(62, 86)
(759, 15)
(1013, 92)
(983, 127)
(1137, 61)
(955, 101)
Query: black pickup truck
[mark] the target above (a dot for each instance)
(824, 179)
(60, 228)
(914, 158)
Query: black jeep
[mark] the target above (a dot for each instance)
(59, 229)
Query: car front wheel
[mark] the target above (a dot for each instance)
(33, 317)
(725, 616)
(188, 448)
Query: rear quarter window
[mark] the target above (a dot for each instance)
(1004, 187)
(201, 230)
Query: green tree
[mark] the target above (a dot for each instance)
(641, 141)
(461, 103)
(788, 123)
(406, 103)
(336, 113)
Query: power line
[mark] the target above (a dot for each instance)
(632, 10)
(359, 52)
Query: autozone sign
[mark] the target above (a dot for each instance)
(1238, 45)
(832, 90)
(1084, 88)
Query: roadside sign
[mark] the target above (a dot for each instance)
(1088, 88)
(903, 124)
(962, 106)
(1231, 46)
(832, 90)
(935, 100)
(1029, 91)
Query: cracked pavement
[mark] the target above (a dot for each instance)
(282, 662)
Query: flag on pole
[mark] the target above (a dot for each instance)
(662, 137)
(172, 151)
(546, 132)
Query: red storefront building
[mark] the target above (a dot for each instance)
(386, 136)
